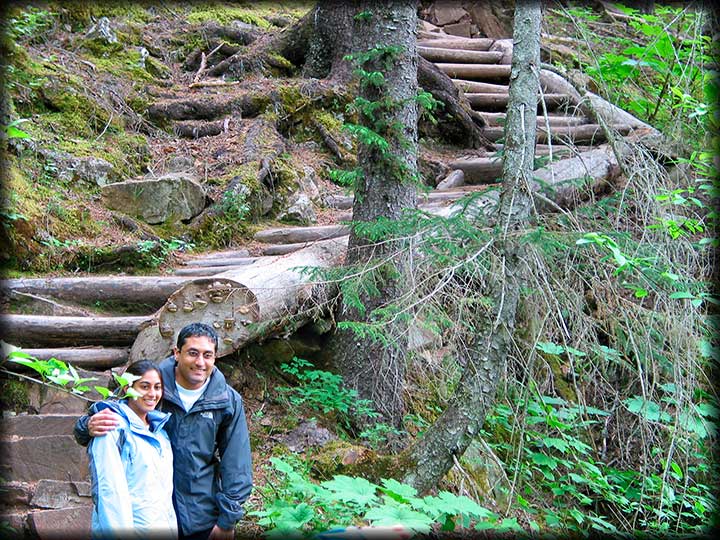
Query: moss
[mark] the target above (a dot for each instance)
(14, 395)
(224, 14)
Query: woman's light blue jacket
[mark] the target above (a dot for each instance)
(131, 472)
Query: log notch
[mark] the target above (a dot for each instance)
(243, 304)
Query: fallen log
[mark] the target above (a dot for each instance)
(149, 290)
(437, 54)
(296, 235)
(479, 170)
(206, 107)
(484, 72)
(221, 254)
(44, 330)
(100, 358)
(456, 178)
(243, 304)
(473, 44)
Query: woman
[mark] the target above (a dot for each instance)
(131, 469)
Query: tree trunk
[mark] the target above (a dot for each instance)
(244, 304)
(377, 370)
(434, 453)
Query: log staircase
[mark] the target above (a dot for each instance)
(44, 499)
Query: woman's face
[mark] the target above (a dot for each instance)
(149, 386)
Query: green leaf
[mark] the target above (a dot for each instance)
(104, 392)
(348, 489)
(389, 515)
(682, 294)
(553, 442)
(550, 348)
(397, 491)
(544, 460)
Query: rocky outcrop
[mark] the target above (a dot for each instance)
(176, 196)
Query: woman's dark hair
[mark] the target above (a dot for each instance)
(141, 367)
(197, 330)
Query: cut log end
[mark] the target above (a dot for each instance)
(225, 304)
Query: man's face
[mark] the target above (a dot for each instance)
(195, 362)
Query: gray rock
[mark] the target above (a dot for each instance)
(92, 170)
(172, 196)
(307, 434)
(454, 179)
(54, 457)
(447, 12)
(180, 163)
(59, 494)
(300, 211)
(308, 183)
(101, 30)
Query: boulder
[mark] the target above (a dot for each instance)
(91, 170)
(176, 196)
(300, 211)
(447, 12)
(461, 29)
(102, 31)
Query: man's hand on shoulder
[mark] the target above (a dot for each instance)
(221, 534)
(102, 423)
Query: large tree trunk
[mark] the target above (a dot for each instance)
(244, 304)
(434, 453)
(377, 370)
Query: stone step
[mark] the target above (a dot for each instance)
(499, 102)
(463, 56)
(477, 72)
(473, 44)
(41, 447)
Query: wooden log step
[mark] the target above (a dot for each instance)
(100, 358)
(479, 170)
(557, 149)
(498, 118)
(195, 129)
(591, 134)
(343, 202)
(499, 102)
(482, 72)
(231, 261)
(222, 254)
(294, 235)
(283, 249)
(202, 270)
(481, 87)
(472, 44)
(152, 290)
(44, 330)
(461, 56)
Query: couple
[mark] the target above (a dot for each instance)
(182, 472)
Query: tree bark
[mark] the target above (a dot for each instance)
(434, 453)
(374, 369)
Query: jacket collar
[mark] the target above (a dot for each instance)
(156, 419)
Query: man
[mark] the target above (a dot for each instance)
(209, 436)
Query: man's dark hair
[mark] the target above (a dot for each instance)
(197, 330)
